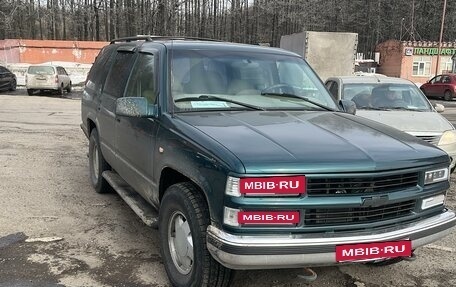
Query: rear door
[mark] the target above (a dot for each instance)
(113, 89)
(446, 84)
(66, 78)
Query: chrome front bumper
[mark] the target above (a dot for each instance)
(271, 252)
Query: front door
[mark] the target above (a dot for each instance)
(113, 89)
(135, 137)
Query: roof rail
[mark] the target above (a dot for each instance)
(149, 38)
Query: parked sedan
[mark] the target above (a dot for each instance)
(7, 79)
(398, 103)
(47, 78)
(441, 86)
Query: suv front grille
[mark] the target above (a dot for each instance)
(360, 185)
(355, 215)
(430, 139)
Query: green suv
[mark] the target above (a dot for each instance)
(242, 159)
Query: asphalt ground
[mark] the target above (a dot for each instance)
(56, 231)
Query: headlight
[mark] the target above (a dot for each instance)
(266, 186)
(436, 175)
(448, 137)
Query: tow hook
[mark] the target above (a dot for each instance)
(308, 275)
(411, 258)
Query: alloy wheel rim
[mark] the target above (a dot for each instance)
(180, 243)
(95, 162)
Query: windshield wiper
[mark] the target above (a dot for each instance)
(203, 98)
(287, 95)
(401, 108)
(371, 108)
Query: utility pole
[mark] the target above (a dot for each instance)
(441, 36)
(402, 25)
(412, 29)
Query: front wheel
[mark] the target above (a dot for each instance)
(30, 92)
(68, 89)
(13, 85)
(184, 218)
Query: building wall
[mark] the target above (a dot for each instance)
(390, 58)
(40, 51)
(415, 60)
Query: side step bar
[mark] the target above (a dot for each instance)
(142, 208)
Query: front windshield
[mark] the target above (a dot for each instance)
(382, 96)
(221, 80)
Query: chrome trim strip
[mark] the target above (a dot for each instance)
(217, 238)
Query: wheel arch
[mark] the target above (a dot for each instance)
(170, 176)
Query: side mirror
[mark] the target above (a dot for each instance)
(439, 108)
(137, 107)
(348, 106)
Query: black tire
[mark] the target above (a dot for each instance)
(60, 90)
(184, 200)
(30, 92)
(13, 85)
(96, 170)
(448, 96)
(68, 89)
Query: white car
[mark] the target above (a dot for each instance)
(398, 103)
(47, 78)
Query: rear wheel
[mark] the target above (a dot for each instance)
(184, 218)
(448, 96)
(68, 89)
(60, 90)
(30, 92)
(97, 164)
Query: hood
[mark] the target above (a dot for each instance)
(312, 142)
(407, 121)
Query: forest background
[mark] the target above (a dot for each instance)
(245, 21)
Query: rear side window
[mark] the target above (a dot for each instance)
(100, 68)
(118, 76)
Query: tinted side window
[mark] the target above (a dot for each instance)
(118, 76)
(334, 90)
(142, 82)
(3, 70)
(436, 79)
(100, 68)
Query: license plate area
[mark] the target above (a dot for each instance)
(373, 251)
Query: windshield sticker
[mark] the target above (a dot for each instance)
(209, 104)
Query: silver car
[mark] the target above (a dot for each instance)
(398, 103)
(47, 78)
